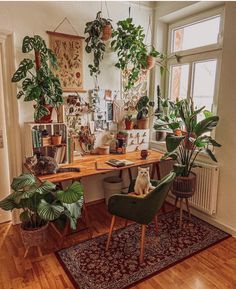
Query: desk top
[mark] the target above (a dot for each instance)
(87, 165)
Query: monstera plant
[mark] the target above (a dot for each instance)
(41, 203)
(38, 82)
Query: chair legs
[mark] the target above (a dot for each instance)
(110, 231)
(143, 231)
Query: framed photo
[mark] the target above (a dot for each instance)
(69, 52)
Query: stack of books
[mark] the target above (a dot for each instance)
(59, 154)
(36, 138)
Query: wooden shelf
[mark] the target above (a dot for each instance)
(52, 145)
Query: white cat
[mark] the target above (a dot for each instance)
(143, 184)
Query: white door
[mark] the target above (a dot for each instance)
(4, 160)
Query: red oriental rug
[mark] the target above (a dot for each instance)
(90, 267)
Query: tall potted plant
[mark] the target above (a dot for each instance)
(98, 31)
(38, 81)
(142, 107)
(41, 203)
(194, 138)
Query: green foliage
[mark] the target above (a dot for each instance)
(94, 43)
(132, 52)
(38, 82)
(41, 202)
(184, 148)
(143, 106)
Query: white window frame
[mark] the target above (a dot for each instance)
(212, 51)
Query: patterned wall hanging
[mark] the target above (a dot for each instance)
(69, 52)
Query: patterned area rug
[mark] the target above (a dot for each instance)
(90, 267)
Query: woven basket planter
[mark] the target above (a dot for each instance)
(36, 237)
(184, 187)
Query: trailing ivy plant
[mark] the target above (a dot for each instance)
(132, 52)
(94, 42)
(38, 81)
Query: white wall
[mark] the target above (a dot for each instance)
(28, 18)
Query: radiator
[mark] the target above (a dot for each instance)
(205, 197)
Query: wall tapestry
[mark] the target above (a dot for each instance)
(69, 53)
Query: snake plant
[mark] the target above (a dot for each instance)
(41, 202)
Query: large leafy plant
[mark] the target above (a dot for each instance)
(94, 42)
(41, 202)
(193, 135)
(38, 81)
(143, 106)
(132, 52)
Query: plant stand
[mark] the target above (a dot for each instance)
(184, 188)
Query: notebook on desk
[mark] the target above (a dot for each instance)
(119, 163)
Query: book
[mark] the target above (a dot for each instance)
(119, 163)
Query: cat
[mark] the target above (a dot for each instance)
(143, 184)
(45, 165)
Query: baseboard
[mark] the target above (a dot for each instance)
(210, 219)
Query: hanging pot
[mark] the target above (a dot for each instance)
(150, 62)
(46, 118)
(106, 32)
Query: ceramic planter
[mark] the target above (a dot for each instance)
(46, 118)
(143, 123)
(34, 237)
(106, 32)
(56, 139)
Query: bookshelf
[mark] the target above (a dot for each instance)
(37, 143)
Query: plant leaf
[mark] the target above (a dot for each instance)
(49, 212)
(72, 194)
(22, 181)
(46, 187)
(206, 125)
(211, 155)
(28, 44)
(172, 142)
(25, 65)
(8, 203)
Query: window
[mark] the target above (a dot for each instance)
(195, 51)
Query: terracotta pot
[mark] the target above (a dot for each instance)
(106, 32)
(104, 150)
(34, 237)
(184, 187)
(46, 118)
(143, 123)
(56, 139)
(150, 62)
(129, 124)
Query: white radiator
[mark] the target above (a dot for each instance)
(205, 197)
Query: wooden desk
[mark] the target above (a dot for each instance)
(88, 168)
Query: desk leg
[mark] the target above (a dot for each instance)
(87, 221)
(153, 171)
(158, 171)
(130, 175)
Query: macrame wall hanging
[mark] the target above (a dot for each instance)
(69, 52)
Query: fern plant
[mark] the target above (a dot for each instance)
(41, 202)
(38, 81)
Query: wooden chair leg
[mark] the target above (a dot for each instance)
(163, 208)
(110, 231)
(181, 213)
(156, 224)
(187, 205)
(143, 231)
(26, 252)
(176, 202)
(126, 223)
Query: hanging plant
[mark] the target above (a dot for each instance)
(98, 31)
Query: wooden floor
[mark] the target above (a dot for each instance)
(214, 268)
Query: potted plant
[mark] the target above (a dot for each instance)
(98, 31)
(185, 148)
(142, 107)
(41, 203)
(129, 122)
(56, 139)
(38, 81)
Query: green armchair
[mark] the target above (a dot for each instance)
(141, 210)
